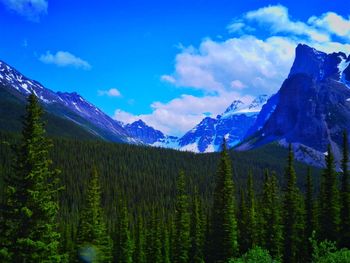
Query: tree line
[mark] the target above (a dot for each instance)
(237, 223)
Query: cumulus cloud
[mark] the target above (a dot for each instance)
(245, 62)
(111, 93)
(181, 114)
(277, 19)
(252, 64)
(332, 23)
(31, 9)
(64, 59)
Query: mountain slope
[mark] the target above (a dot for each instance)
(70, 107)
(313, 107)
(232, 125)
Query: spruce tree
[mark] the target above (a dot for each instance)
(223, 232)
(139, 251)
(271, 216)
(242, 222)
(197, 231)
(330, 209)
(166, 245)
(182, 222)
(31, 203)
(93, 241)
(293, 224)
(345, 195)
(125, 243)
(309, 215)
(251, 213)
(153, 239)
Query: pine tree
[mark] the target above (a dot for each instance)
(345, 195)
(242, 222)
(166, 245)
(125, 243)
(153, 239)
(271, 216)
(223, 233)
(251, 213)
(182, 223)
(197, 231)
(31, 204)
(309, 215)
(93, 241)
(293, 224)
(330, 210)
(139, 252)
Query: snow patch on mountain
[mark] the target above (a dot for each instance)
(67, 105)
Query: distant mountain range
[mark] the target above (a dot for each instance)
(311, 110)
(70, 107)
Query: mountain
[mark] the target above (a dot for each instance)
(143, 132)
(311, 109)
(232, 125)
(69, 109)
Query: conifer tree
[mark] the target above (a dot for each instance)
(271, 216)
(31, 204)
(197, 231)
(182, 223)
(139, 252)
(125, 243)
(293, 224)
(242, 224)
(153, 239)
(251, 213)
(309, 215)
(93, 241)
(330, 209)
(166, 245)
(345, 195)
(223, 232)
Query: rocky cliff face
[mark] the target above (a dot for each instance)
(313, 107)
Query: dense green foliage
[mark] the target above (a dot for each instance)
(29, 227)
(272, 235)
(329, 201)
(345, 196)
(255, 255)
(293, 223)
(223, 225)
(138, 197)
(92, 236)
(182, 223)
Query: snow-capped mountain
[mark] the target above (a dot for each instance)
(143, 132)
(70, 106)
(312, 108)
(150, 136)
(232, 125)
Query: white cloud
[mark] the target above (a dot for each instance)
(111, 93)
(332, 23)
(216, 66)
(64, 59)
(251, 64)
(277, 19)
(31, 9)
(181, 114)
(237, 84)
(167, 78)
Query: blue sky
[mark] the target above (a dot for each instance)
(167, 62)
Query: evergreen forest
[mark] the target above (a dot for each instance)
(69, 200)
